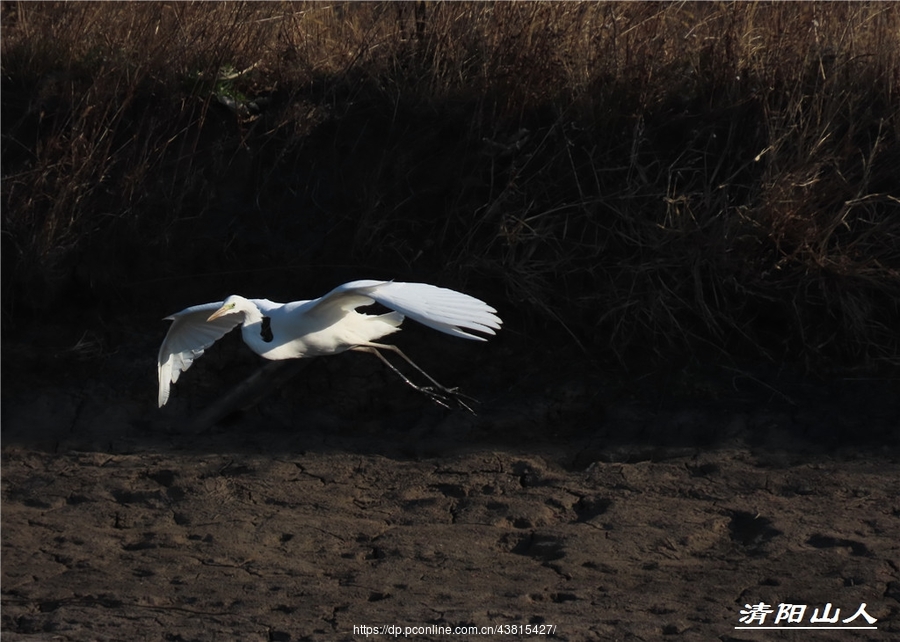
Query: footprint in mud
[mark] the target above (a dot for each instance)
(591, 506)
(825, 541)
(539, 546)
(163, 477)
(751, 530)
(453, 491)
(126, 496)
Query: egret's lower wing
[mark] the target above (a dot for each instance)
(189, 335)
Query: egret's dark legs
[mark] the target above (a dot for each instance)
(438, 393)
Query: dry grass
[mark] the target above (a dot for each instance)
(656, 179)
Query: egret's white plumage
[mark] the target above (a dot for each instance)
(327, 325)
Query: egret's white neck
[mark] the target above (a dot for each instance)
(252, 329)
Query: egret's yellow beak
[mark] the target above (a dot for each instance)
(225, 309)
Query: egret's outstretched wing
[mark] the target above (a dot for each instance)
(189, 335)
(445, 310)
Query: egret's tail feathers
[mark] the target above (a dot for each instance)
(392, 318)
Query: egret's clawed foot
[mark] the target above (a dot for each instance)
(441, 395)
(444, 396)
(437, 397)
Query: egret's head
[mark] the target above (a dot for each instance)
(231, 305)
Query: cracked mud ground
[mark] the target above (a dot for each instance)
(607, 511)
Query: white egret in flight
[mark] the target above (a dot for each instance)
(323, 326)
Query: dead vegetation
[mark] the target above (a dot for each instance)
(653, 179)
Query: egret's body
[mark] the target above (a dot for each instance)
(323, 326)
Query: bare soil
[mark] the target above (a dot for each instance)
(603, 509)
